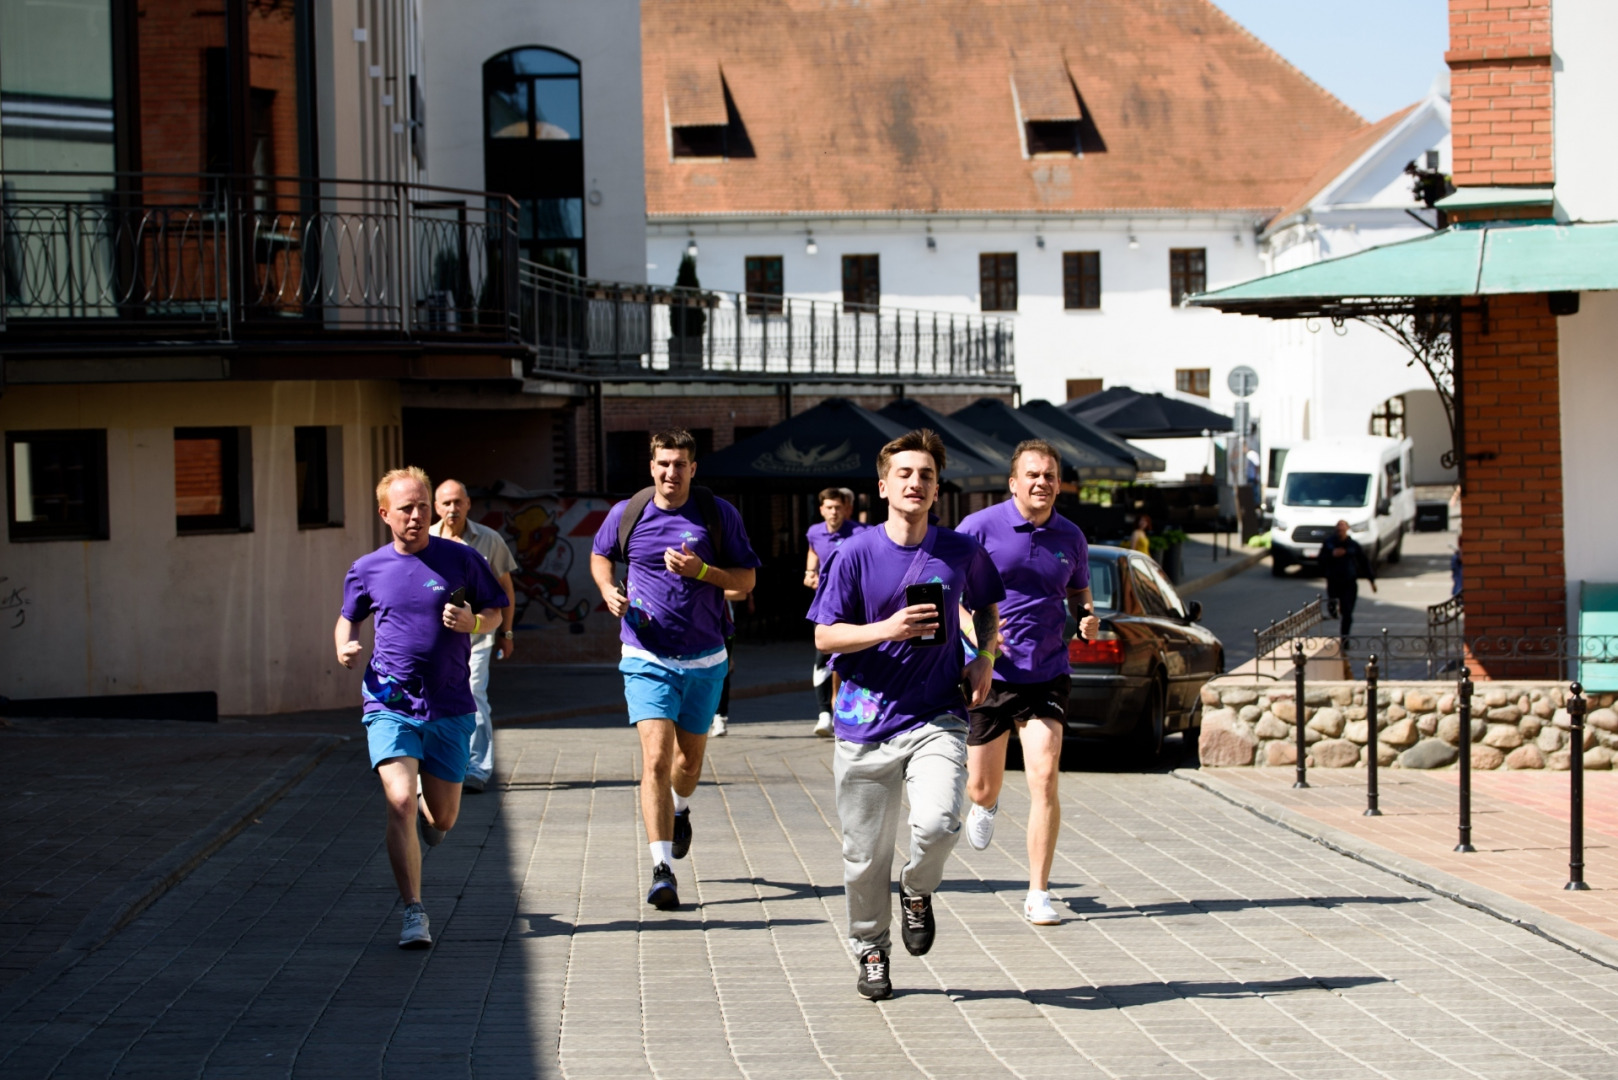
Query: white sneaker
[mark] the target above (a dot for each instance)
(718, 729)
(980, 825)
(1037, 909)
(415, 934)
(824, 727)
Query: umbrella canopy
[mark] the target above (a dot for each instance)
(836, 441)
(1000, 421)
(1092, 436)
(958, 437)
(1130, 414)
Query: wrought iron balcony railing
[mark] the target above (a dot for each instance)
(218, 257)
(578, 325)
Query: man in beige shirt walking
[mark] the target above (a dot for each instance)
(453, 505)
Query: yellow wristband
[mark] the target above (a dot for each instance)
(477, 621)
(703, 573)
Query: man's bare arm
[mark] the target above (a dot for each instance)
(601, 572)
(1080, 601)
(918, 620)
(347, 647)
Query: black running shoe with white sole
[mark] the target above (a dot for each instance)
(874, 983)
(916, 923)
(682, 833)
(664, 894)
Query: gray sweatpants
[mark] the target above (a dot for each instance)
(930, 764)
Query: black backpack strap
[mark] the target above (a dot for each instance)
(632, 515)
(708, 506)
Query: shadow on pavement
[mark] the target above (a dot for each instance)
(1151, 993)
(1090, 909)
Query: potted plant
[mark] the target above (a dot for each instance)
(688, 318)
(1167, 548)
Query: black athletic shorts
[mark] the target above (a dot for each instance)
(1010, 704)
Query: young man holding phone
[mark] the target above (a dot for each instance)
(837, 525)
(1043, 560)
(672, 604)
(889, 606)
(419, 712)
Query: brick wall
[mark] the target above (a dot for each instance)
(1500, 91)
(1511, 532)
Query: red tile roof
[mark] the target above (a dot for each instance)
(906, 105)
(1347, 154)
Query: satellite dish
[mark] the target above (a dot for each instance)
(1243, 381)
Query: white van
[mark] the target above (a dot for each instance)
(1362, 481)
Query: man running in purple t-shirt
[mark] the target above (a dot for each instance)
(674, 661)
(1043, 559)
(901, 706)
(419, 710)
(836, 506)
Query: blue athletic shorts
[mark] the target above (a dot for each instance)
(443, 746)
(688, 696)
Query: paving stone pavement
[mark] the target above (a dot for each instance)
(1199, 942)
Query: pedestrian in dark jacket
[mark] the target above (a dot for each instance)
(1343, 562)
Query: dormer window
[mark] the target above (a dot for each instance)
(702, 117)
(1050, 108)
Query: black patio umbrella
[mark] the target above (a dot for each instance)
(1131, 414)
(1000, 421)
(958, 437)
(837, 441)
(1092, 436)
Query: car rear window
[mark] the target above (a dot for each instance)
(1103, 591)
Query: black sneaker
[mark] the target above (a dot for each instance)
(916, 923)
(664, 895)
(873, 983)
(682, 832)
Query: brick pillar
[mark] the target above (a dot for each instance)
(1511, 531)
(1500, 91)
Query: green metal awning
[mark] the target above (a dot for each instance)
(1462, 260)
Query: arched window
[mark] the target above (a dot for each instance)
(533, 150)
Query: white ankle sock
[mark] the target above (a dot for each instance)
(662, 851)
(680, 801)
(1038, 896)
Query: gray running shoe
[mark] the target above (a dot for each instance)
(415, 934)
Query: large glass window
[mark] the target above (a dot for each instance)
(57, 486)
(997, 281)
(766, 285)
(1188, 273)
(56, 85)
(533, 150)
(862, 281)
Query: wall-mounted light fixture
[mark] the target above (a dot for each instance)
(809, 245)
(691, 247)
(1039, 241)
(932, 242)
(1134, 244)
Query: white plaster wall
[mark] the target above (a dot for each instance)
(1589, 394)
(1584, 37)
(1135, 338)
(604, 36)
(249, 615)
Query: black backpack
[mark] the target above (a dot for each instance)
(707, 505)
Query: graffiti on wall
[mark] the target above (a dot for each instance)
(550, 536)
(13, 604)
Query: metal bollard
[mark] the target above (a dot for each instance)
(1576, 706)
(1302, 780)
(1463, 695)
(1371, 714)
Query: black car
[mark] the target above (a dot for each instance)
(1142, 677)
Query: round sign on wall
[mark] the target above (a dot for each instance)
(1243, 381)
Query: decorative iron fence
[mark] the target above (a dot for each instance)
(600, 327)
(219, 255)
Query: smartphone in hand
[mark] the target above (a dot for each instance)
(928, 592)
(458, 597)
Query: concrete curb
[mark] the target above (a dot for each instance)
(136, 895)
(1571, 936)
(1240, 561)
(737, 693)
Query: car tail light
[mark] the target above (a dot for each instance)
(1104, 651)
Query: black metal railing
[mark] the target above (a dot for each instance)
(600, 327)
(218, 256)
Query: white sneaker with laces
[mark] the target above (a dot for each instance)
(415, 934)
(980, 825)
(1037, 909)
(718, 729)
(824, 727)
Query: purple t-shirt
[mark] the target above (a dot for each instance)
(419, 666)
(670, 615)
(825, 544)
(1039, 564)
(893, 687)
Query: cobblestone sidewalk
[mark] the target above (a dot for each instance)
(1199, 942)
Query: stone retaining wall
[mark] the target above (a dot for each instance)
(1515, 725)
